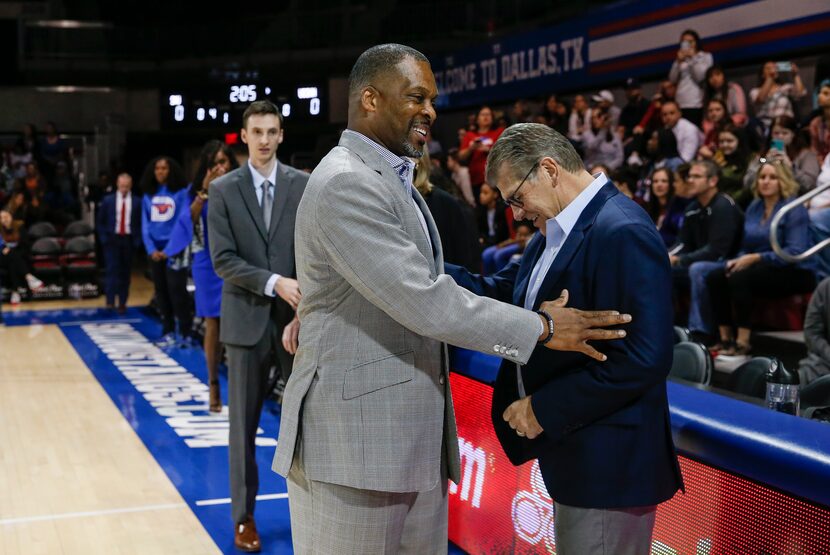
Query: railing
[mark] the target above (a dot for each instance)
(773, 228)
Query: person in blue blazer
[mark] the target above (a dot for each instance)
(118, 223)
(600, 430)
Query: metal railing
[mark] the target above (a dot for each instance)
(773, 228)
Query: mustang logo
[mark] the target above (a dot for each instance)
(163, 209)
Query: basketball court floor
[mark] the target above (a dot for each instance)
(106, 443)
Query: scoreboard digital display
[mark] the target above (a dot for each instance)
(222, 105)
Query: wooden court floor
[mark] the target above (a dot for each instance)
(74, 476)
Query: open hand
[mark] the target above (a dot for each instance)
(573, 328)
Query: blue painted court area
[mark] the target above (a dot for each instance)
(163, 395)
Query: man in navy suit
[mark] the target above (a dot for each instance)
(119, 231)
(600, 430)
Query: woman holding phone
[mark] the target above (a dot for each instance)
(788, 145)
(688, 72)
(773, 97)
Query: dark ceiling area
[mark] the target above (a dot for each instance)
(155, 43)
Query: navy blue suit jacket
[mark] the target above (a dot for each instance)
(607, 437)
(106, 218)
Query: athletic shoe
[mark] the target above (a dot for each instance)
(33, 283)
(15, 298)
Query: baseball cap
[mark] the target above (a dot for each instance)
(603, 95)
(632, 83)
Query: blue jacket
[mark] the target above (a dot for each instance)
(158, 216)
(793, 233)
(106, 218)
(607, 438)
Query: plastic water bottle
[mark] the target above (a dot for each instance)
(782, 388)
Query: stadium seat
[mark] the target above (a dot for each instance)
(77, 229)
(681, 334)
(816, 393)
(750, 378)
(786, 314)
(692, 362)
(41, 230)
(46, 260)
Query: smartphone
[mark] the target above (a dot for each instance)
(784, 67)
(686, 45)
(777, 144)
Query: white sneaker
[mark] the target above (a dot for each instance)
(33, 283)
(15, 298)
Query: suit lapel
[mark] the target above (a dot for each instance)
(282, 186)
(573, 242)
(529, 259)
(437, 256)
(245, 183)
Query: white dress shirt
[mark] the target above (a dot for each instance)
(689, 138)
(258, 180)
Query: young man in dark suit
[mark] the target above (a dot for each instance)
(119, 231)
(251, 235)
(601, 431)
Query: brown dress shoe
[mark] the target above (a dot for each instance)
(246, 537)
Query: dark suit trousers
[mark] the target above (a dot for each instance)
(248, 385)
(118, 257)
(158, 269)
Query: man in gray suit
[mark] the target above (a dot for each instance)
(367, 433)
(251, 233)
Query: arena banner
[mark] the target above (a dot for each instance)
(500, 508)
(634, 38)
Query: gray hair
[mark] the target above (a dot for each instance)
(711, 169)
(524, 144)
(378, 60)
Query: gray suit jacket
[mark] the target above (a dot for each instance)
(369, 393)
(245, 254)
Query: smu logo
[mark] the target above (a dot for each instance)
(532, 512)
(162, 209)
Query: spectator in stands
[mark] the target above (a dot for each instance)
(653, 118)
(688, 72)
(757, 272)
(820, 124)
(787, 144)
(18, 160)
(733, 156)
(496, 257)
(163, 186)
(215, 160)
(520, 112)
(28, 141)
(773, 97)
(729, 92)
(33, 180)
(461, 176)
(458, 239)
(664, 206)
(816, 334)
(556, 114)
(579, 120)
(660, 152)
(17, 205)
(119, 231)
(689, 136)
(717, 117)
(604, 101)
(711, 231)
(634, 110)
(477, 144)
(625, 180)
(53, 149)
(601, 142)
(13, 258)
(492, 217)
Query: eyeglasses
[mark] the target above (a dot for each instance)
(769, 161)
(512, 200)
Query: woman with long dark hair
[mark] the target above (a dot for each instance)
(664, 206)
(733, 157)
(730, 92)
(162, 184)
(191, 235)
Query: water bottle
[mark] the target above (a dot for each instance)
(782, 388)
